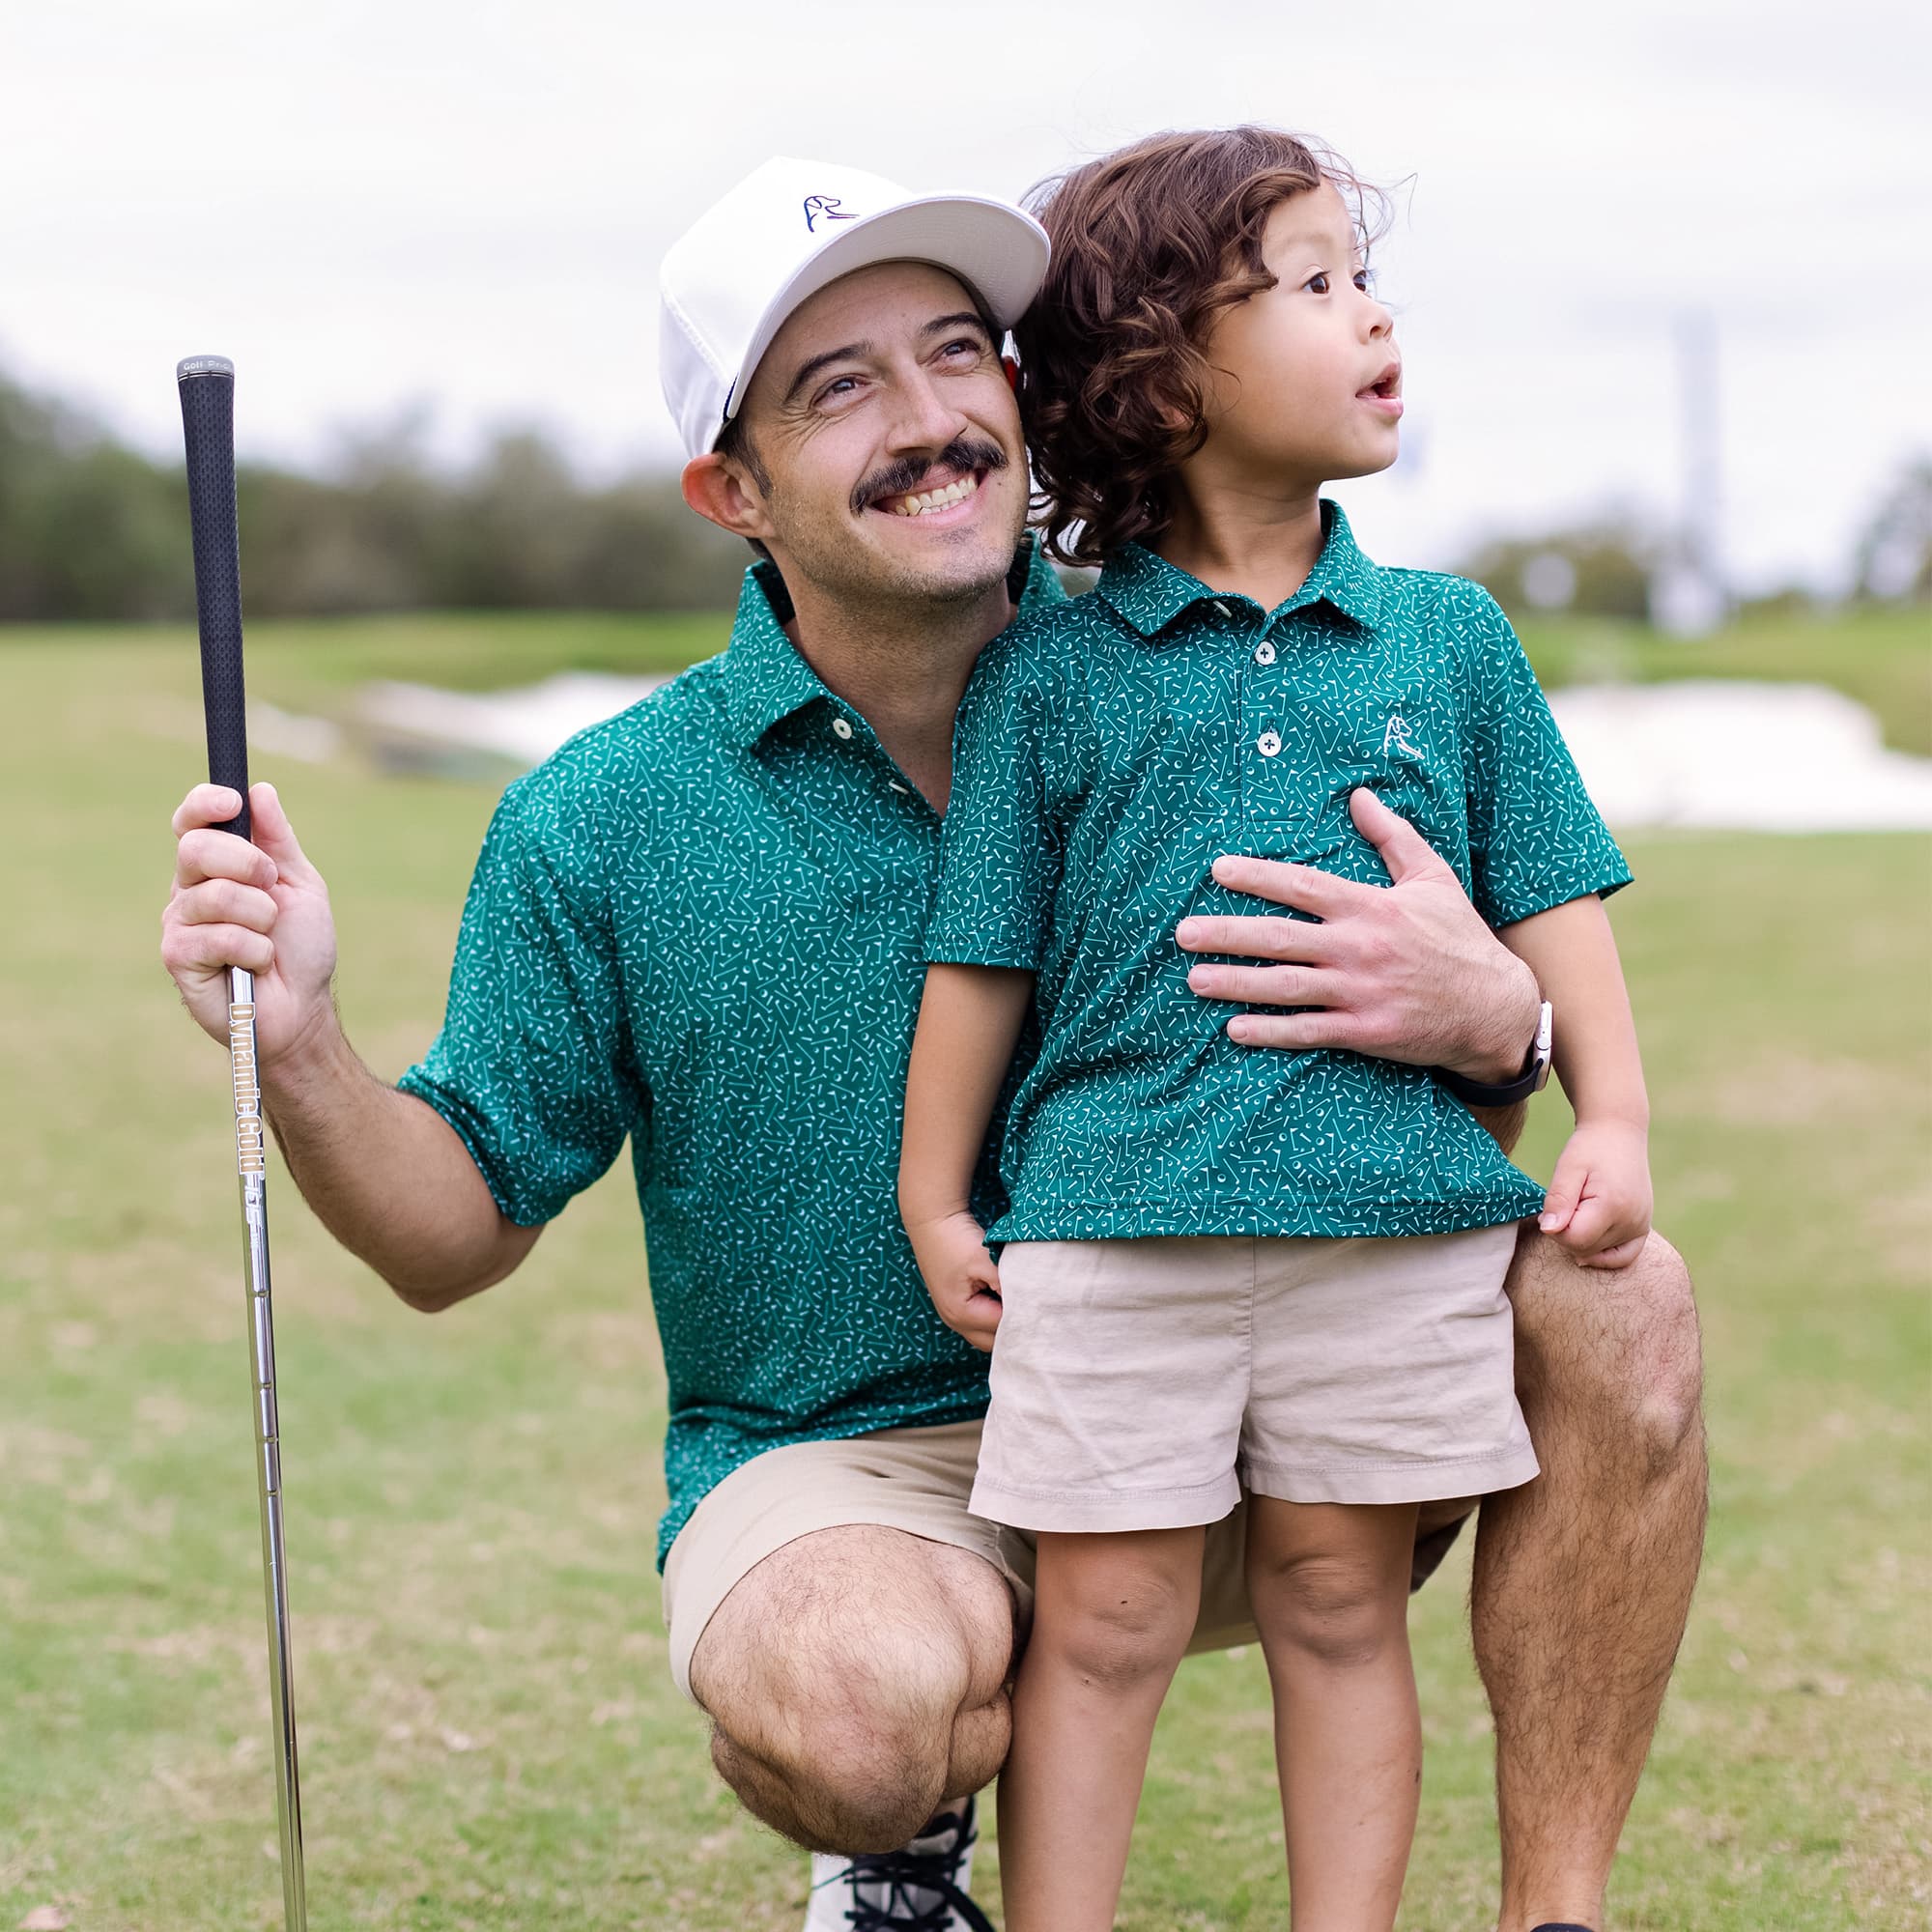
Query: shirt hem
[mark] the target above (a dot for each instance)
(1113, 1222)
(1527, 905)
(944, 953)
(420, 1087)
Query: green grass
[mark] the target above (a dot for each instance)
(490, 1736)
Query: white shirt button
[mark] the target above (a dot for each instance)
(841, 727)
(1265, 652)
(1268, 744)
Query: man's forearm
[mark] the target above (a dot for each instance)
(388, 1176)
(1499, 1009)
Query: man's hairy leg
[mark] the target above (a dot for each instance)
(857, 1680)
(1583, 1577)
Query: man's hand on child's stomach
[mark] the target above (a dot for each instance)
(1599, 1202)
(959, 1275)
(1404, 971)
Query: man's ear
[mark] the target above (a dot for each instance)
(722, 493)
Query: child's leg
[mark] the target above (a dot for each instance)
(1112, 1615)
(1329, 1584)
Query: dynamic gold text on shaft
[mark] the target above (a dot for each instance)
(249, 1143)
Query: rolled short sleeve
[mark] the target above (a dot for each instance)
(1000, 854)
(533, 1067)
(1536, 840)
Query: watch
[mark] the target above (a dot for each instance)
(1533, 1078)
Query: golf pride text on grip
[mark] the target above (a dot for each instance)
(206, 386)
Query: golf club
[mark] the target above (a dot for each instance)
(207, 385)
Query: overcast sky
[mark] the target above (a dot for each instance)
(371, 207)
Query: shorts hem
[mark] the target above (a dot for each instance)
(1447, 1481)
(733, 1549)
(1099, 1512)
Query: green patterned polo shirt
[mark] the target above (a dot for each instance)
(699, 925)
(1107, 752)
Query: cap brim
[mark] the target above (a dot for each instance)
(997, 250)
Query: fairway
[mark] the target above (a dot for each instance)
(490, 1737)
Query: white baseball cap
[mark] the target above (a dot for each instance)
(788, 231)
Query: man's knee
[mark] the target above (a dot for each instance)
(1670, 1407)
(848, 1756)
(837, 1680)
(1614, 1350)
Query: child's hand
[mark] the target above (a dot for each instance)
(959, 1275)
(1599, 1201)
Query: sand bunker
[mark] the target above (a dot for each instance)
(1745, 757)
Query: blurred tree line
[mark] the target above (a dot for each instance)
(90, 529)
(1616, 567)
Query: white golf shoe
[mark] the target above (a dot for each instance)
(920, 1888)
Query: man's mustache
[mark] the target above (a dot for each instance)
(964, 453)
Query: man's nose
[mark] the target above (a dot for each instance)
(923, 417)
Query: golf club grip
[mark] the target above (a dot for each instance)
(207, 385)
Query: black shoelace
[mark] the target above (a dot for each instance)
(894, 1877)
(897, 1880)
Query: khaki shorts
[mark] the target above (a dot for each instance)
(917, 1480)
(1145, 1385)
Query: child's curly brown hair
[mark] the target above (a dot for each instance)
(1149, 245)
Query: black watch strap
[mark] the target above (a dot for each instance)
(1506, 1094)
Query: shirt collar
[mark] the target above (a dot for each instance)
(766, 679)
(1151, 593)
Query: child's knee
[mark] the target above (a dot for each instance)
(1119, 1633)
(1344, 1612)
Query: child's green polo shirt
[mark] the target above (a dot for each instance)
(1108, 750)
(699, 925)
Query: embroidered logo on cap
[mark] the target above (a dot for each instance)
(824, 207)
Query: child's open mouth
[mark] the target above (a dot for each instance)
(1385, 395)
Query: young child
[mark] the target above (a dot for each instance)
(1232, 1269)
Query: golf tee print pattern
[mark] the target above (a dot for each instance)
(1107, 752)
(700, 925)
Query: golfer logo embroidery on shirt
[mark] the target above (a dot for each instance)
(824, 207)
(1396, 738)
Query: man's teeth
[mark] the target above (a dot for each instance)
(932, 500)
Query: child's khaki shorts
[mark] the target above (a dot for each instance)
(1145, 1384)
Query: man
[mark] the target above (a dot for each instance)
(697, 927)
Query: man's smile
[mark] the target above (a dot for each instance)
(936, 494)
(944, 485)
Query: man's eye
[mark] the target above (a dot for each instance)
(839, 387)
(965, 346)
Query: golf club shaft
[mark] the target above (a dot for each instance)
(207, 385)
